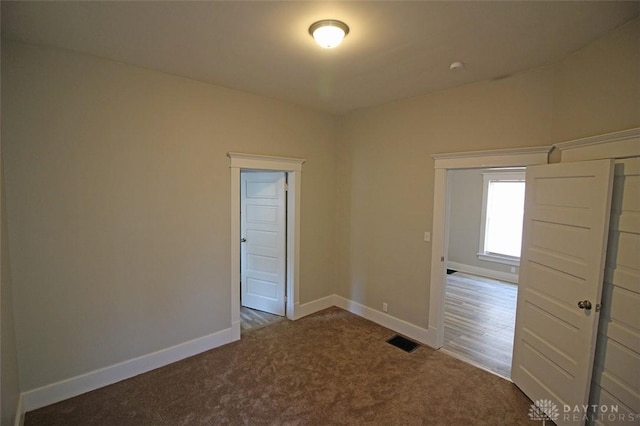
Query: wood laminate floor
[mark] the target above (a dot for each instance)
(251, 319)
(479, 320)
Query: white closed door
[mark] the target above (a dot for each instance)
(564, 244)
(263, 236)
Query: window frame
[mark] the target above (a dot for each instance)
(510, 175)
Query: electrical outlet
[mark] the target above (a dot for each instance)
(385, 307)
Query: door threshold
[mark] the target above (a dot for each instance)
(474, 363)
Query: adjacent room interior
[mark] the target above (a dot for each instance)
(127, 131)
(486, 209)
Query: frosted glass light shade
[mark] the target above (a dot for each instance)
(329, 33)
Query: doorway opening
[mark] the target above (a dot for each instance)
(484, 239)
(263, 247)
(292, 167)
(445, 166)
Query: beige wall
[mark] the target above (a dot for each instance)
(465, 220)
(386, 179)
(9, 374)
(9, 379)
(118, 192)
(386, 174)
(597, 89)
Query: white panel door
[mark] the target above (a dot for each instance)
(263, 236)
(616, 381)
(561, 271)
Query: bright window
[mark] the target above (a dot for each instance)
(502, 212)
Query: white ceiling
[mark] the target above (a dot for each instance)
(395, 49)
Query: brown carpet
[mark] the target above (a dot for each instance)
(329, 368)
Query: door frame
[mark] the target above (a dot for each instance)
(293, 168)
(517, 157)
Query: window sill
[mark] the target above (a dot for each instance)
(496, 258)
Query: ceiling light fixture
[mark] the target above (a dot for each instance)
(328, 33)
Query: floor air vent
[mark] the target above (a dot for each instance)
(403, 343)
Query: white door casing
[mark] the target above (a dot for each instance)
(263, 241)
(565, 234)
(444, 163)
(293, 167)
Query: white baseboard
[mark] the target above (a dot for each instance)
(19, 421)
(420, 334)
(314, 306)
(68, 388)
(483, 272)
(55, 392)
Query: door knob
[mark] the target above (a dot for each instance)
(584, 304)
(243, 240)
